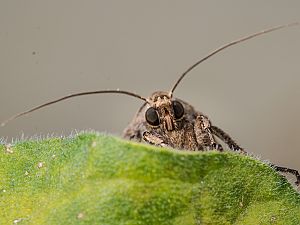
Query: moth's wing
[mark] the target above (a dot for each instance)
(136, 128)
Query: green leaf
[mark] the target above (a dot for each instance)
(98, 179)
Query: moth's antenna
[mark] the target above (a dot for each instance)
(72, 96)
(226, 46)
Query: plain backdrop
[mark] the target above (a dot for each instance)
(52, 48)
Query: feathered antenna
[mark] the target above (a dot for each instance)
(226, 46)
(72, 96)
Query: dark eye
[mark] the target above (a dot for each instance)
(178, 109)
(152, 117)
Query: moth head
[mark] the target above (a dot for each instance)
(164, 111)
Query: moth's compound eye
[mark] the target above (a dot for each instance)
(178, 109)
(152, 117)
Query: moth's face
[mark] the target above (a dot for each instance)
(164, 112)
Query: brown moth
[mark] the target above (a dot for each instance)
(170, 122)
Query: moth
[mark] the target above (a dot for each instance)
(166, 121)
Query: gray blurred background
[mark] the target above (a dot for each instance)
(52, 48)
